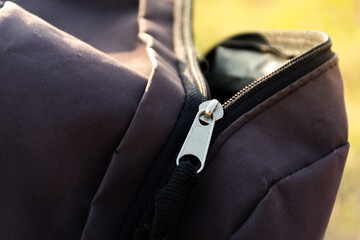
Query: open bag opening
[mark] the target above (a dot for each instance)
(240, 61)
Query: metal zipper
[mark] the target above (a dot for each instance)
(198, 93)
(198, 139)
(248, 90)
(266, 80)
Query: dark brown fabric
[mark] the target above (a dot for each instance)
(65, 107)
(299, 204)
(282, 137)
(110, 28)
(88, 100)
(153, 121)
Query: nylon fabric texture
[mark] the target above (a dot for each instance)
(97, 98)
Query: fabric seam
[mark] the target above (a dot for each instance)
(270, 186)
(283, 94)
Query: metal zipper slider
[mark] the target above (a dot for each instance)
(198, 139)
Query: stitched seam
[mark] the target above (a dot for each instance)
(274, 100)
(291, 91)
(270, 186)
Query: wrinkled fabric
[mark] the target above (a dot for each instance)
(291, 131)
(73, 118)
(90, 92)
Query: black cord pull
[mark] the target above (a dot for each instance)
(168, 204)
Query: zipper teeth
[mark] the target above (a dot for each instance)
(246, 91)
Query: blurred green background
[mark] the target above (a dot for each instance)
(215, 20)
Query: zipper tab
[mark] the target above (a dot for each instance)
(198, 139)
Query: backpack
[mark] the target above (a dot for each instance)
(111, 128)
